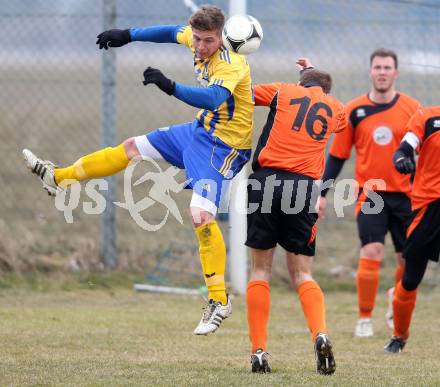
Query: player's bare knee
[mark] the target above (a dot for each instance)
(261, 267)
(200, 216)
(373, 250)
(300, 268)
(131, 148)
(400, 260)
(261, 274)
(299, 277)
(261, 264)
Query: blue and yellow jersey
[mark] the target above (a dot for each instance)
(232, 121)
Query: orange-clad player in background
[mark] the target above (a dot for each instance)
(288, 159)
(423, 236)
(377, 124)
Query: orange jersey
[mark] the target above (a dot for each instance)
(425, 124)
(376, 131)
(299, 124)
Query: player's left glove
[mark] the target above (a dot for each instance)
(403, 164)
(156, 76)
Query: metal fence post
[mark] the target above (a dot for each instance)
(108, 137)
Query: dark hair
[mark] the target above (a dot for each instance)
(208, 18)
(316, 78)
(383, 53)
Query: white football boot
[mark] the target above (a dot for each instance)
(213, 316)
(44, 169)
(364, 328)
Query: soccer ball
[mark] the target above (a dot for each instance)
(242, 34)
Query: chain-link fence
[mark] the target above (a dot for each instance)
(50, 96)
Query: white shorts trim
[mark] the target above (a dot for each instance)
(201, 202)
(146, 149)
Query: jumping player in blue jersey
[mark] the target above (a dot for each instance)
(212, 149)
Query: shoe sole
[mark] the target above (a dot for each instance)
(261, 369)
(330, 366)
(204, 334)
(393, 352)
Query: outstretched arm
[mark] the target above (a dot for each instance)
(156, 34)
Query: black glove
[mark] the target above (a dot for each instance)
(113, 38)
(404, 164)
(161, 81)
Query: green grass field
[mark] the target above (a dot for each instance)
(66, 332)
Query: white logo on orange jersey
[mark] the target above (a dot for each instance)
(360, 112)
(382, 135)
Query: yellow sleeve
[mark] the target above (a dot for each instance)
(185, 36)
(228, 72)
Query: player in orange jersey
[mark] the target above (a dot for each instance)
(377, 122)
(287, 161)
(423, 236)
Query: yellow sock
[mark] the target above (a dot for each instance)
(213, 258)
(102, 163)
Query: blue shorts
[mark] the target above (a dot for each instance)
(209, 163)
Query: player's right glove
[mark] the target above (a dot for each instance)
(113, 38)
(403, 164)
